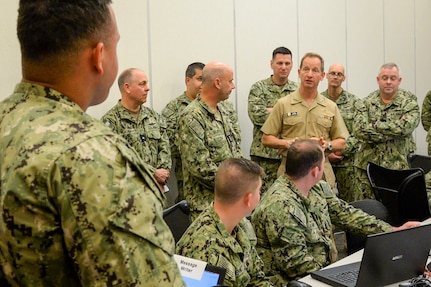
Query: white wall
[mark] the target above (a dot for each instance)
(163, 37)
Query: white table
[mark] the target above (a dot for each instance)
(355, 257)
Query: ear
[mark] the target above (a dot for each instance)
(247, 199)
(323, 76)
(98, 57)
(217, 83)
(314, 171)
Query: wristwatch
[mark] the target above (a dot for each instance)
(329, 146)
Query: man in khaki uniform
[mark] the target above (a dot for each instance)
(306, 114)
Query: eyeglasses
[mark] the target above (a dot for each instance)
(338, 74)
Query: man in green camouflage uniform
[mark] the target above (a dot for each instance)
(141, 126)
(262, 98)
(207, 136)
(78, 207)
(172, 112)
(293, 222)
(221, 235)
(343, 162)
(426, 118)
(384, 122)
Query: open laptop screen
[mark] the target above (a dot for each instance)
(212, 276)
(388, 258)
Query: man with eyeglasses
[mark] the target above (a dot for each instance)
(343, 161)
(384, 121)
(306, 114)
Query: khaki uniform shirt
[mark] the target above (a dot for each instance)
(264, 94)
(292, 117)
(294, 232)
(78, 207)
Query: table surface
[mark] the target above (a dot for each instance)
(355, 257)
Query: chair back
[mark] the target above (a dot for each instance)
(177, 217)
(418, 160)
(403, 192)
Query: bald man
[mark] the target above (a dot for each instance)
(343, 161)
(207, 136)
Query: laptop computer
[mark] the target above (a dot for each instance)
(197, 273)
(388, 258)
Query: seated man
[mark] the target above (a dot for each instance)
(221, 235)
(293, 222)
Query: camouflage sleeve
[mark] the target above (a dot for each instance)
(109, 119)
(352, 146)
(255, 263)
(233, 117)
(195, 156)
(382, 130)
(111, 213)
(426, 112)
(401, 126)
(164, 158)
(353, 219)
(428, 186)
(171, 118)
(257, 111)
(362, 128)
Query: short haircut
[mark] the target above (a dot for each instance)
(302, 156)
(389, 66)
(191, 69)
(50, 29)
(125, 77)
(281, 50)
(234, 176)
(314, 55)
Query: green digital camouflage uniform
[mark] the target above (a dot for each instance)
(428, 186)
(172, 112)
(294, 232)
(426, 118)
(292, 117)
(206, 139)
(344, 170)
(264, 94)
(385, 132)
(146, 134)
(208, 240)
(78, 207)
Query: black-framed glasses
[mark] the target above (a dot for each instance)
(338, 74)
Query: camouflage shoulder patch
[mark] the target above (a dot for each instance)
(327, 190)
(196, 127)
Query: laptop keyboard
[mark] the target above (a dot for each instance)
(346, 277)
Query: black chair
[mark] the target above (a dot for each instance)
(374, 207)
(403, 192)
(177, 217)
(418, 160)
